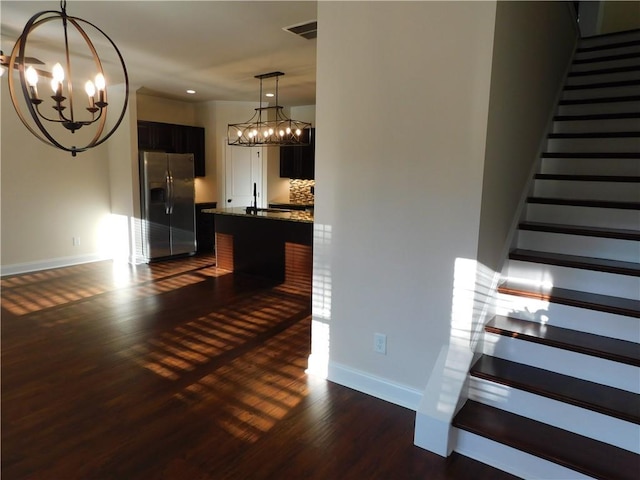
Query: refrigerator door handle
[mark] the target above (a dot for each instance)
(171, 194)
(168, 198)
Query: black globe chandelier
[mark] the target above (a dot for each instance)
(46, 114)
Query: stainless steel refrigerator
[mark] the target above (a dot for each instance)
(168, 204)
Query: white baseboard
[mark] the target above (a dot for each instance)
(47, 264)
(395, 393)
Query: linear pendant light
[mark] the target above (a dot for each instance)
(269, 125)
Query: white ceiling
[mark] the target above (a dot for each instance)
(213, 47)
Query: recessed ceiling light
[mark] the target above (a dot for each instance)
(269, 95)
(191, 92)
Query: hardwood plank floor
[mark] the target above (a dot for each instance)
(179, 370)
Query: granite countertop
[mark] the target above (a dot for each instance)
(268, 213)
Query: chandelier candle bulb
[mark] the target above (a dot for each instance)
(32, 80)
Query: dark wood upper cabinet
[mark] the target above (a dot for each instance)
(171, 138)
(299, 161)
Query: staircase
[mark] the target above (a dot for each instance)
(555, 392)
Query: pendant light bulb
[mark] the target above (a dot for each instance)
(90, 88)
(58, 73)
(32, 77)
(100, 82)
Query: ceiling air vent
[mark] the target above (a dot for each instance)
(306, 30)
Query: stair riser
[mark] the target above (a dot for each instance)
(578, 420)
(604, 63)
(597, 108)
(586, 367)
(587, 190)
(608, 248)
(598, 92)
(595, 126)
(596, 144)
(621, 37)
(603, 77)
(585, 216)
(606, 324)
(577, 279)
(511, 460)
(591, 166)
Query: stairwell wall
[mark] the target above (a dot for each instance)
(402, 98)
(532, 49)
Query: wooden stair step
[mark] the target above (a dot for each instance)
(597, 116)
(595, 135)
(608, 46)
(582, 454)
(584, 203)
(574, 298)
(596, 397)
(588, 178)
(600, 232)
(606, 58)
(625, 98)
(574, 261)
(614, 84)
(605, 71)
(609, 348)
(630, 155)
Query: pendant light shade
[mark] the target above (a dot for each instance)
(269, 125)
(73, 115)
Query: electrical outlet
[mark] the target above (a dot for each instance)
(380, 343)
(76, 241)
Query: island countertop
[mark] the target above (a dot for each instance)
(267, 213)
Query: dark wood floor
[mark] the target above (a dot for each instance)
(179, 370)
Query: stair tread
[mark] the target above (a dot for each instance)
(575, 261)
(624, 98)
(608, 46)
(607, 58)
(575, 391)
(597, 116)
(588, 178)
(613, 349)
(595, 135)
(585, 203)
(573, 451)
(631, 155)
(602, 232)
(594, 301)
(611, 84)
(605, 71)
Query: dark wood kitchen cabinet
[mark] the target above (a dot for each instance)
(171, 138)
(299, 161)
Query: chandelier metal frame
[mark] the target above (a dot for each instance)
(71, 120)
(269, 126)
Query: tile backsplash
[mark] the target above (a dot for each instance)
(300, 191)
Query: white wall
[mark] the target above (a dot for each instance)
(526, 79)
(49, 197)
(402, 104)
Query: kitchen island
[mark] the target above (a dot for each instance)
(271, 243)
